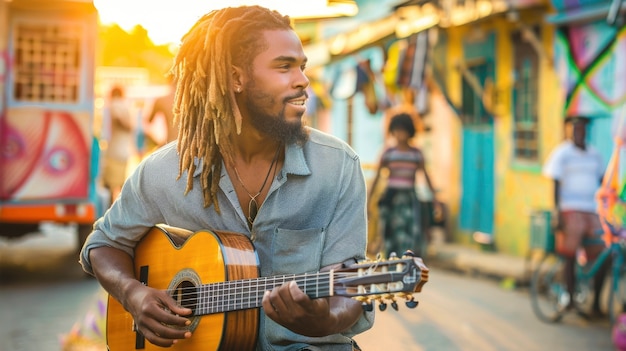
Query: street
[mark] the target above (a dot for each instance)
(43, 290)
(44, 293)
(459, 312)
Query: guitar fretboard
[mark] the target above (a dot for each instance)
(248, 293)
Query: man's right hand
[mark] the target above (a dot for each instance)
(157, 316)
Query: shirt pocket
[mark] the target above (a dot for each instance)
(297, 251)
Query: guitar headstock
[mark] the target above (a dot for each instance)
(382, 281)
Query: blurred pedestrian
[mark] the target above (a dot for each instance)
(577, 170)
(163, 106)
(400, 215)
(121, 142)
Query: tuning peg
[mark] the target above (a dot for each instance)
(412, 303)
(394, 304)
(393, 255)
(382, 306)
(367, 306)
(408, 253)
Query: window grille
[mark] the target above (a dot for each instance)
(473, 112)
(525, 115)
(47, 63)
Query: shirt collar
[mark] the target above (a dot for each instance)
(295, 162)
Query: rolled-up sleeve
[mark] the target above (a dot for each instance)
(127, 220)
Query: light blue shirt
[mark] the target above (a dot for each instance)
(579, 173)
(313, 216)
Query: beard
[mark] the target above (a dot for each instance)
(274, 125)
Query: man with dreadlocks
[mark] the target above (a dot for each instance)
(243, 162)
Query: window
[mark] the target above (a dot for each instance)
(525, 100)
(47, 63)
(473, 111)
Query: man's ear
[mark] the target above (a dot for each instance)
(237, 78)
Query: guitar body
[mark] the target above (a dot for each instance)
(203, 257)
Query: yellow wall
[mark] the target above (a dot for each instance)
(519, 189)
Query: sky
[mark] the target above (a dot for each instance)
(168, 20)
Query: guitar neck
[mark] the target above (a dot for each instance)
(247, 293)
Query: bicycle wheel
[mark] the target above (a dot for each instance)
(616, 301)
(548, 292)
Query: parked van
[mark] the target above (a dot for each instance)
(48, 154)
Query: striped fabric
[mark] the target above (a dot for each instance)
(402, 165)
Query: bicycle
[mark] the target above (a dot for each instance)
(548, 291)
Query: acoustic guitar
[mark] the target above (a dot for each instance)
(216, 274)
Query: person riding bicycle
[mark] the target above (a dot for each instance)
(577, 170)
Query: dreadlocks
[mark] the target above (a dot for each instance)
(205, 107)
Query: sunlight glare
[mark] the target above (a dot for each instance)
(168, 20)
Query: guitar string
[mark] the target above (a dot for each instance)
(248, 297)
(307, 279)
(209, 302)
(272, 281)
(225, 288)
(214, 303)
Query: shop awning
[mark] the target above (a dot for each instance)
(403, 21)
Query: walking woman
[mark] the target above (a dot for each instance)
(400, 215)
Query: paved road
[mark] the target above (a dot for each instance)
(464, 313)
(43, 291)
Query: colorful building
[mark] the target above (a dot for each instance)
(497, 73)
(504, 79)
(496, 80)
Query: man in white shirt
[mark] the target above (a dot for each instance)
(577, 170)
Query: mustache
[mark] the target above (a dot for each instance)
(296, 96)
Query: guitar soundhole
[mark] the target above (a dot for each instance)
(184, 289)
(186, 294)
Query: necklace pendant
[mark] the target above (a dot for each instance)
(253, 209)
(253, 205)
